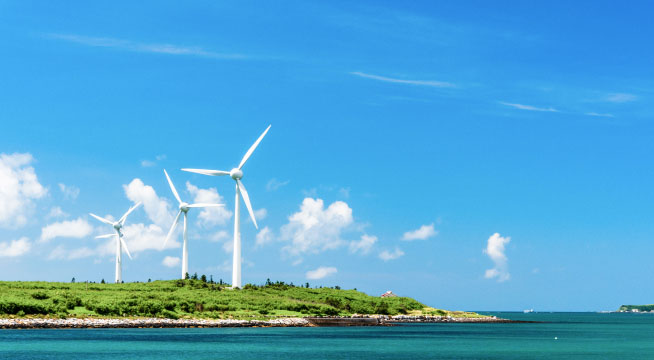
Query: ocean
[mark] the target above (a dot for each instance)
(560, 336)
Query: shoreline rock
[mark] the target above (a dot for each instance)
(355, 320)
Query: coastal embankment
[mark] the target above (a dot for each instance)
(378, 320)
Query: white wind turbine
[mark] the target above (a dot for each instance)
(183, 208)
(119, 238)
(236, 174)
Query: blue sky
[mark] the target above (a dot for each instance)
(404, 137)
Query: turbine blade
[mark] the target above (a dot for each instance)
(172, 228)
(105, 236)
(102, 219)
(122, 219)
(125, 245)
(254, 146)
(246, 199)
(199, 205)
(208, 172)
(172, 187)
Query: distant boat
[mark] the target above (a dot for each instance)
(528, 311)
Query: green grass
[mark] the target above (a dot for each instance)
(194, 299)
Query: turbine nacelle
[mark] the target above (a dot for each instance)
(183, 207)
(117, 225)
(236, 173)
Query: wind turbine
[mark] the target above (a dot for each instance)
(119, 238)
(183, 208)
(237, 174)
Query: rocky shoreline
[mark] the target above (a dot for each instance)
(380, 320)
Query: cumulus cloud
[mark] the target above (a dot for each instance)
(423, 233)
(157, 209)
(260, 214)
(15, 248)
(321, 272)
(151, 163)
(495, 251)
(264, 236)
(364, 245)
(219, 236)
(19, 187)
(77, 228)
(387, 255)
(210, 216)
(140, 237)
(56, 212)
(70, 192)
(61, 253)
(171, 261)
(315, 228)
(274, 184)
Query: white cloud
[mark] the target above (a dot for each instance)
(387, 255)
(78, 228)
(61, 253)
(127, 45)
(621, 98)
(432, 83)
(314, 229)
(70, 192)
(364, 245)
(495, 251)
(321, 272)
(260, 214)
(140, 237)
(15, 247)
(210, 216)
(19, 187)
(529, 107)
(56, 212)
(228, 247)
(600, 115)
(264, 236)
(171, 261)
(423, 233)
(151, 163)
(275, 184)
(158, 209)
(219, 236)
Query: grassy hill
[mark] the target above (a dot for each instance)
(194, 299)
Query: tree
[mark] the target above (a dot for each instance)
(306, 285)
(102, 281)
(186, 277)
(211, 279)
(194, 277)
(73, 280)
(149, 280)
(203, 278)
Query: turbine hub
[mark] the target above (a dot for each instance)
(117, 225)
(183, 207)
(236, 174)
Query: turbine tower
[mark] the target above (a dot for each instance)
(237, 174)
(119, 239)
(183, 208)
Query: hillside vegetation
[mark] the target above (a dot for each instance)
(642, 308)
(193, 299)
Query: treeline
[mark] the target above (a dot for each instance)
(198, 298)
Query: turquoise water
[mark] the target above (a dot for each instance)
(580, 336)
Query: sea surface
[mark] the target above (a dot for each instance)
(560, 336)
